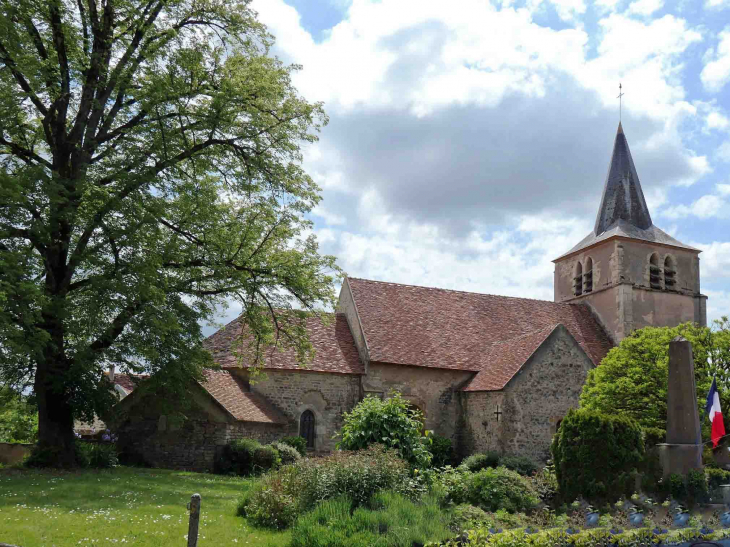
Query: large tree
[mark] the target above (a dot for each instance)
(151, 168)
(632, 379)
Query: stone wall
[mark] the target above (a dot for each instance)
(327, 395)
(12, 453)
(434, 391)
(532, 403)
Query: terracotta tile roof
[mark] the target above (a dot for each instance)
(128, 381)
(335, 349)
(440, 328)
(234, 396)
(504, 359)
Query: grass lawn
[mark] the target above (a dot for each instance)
(142, 507)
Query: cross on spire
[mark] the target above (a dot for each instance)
(620, 94)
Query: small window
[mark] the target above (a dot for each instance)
(588, 276)
(578, 280)
(306, 428)
(655, 272)
(670, 274)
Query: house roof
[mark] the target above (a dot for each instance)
(233, 395)
(441, 328)
(623, 211)
(335, 349)
(505, 359)
(128, 382)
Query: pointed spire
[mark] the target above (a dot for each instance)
(622, 195)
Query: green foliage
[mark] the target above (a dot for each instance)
(441, 451)
(641, 537)
(287, 453)
(392, 422)
(492, 489)
(716, 477)
(632, 378)
(596, 455)
(521, 464)
(237, 457)
(499, 488)
(299, 487)
(18, 418)
(265, 458)
(300, 443)
(390, 520)
(477, 462)
(467, 517)
(88, 455)
(545, 483)
(95, 455)
(150, 169)
(697, 486)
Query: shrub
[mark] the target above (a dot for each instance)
(237, 457)
(477, 462)
(545, 484)
(270, 505)
(441, 451)
(697, 488)
(467, 517)
(299, 443)
(389, 520)
(391, 422)
(596, 455)
(103, 455)
(452, 485)
(499, 488)
(716, 477)
(287, 453)
(265, 458)
(300, 486)
(521, 464)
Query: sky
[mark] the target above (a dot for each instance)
(469, 141)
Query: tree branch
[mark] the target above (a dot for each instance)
(22, 82)
(26, 155)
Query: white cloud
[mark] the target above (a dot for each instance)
(716, 120)
(716, 72)
(705, 207)
(714, 260)
(717, 4)
(723, 189)
(645, 7)
(723, 151)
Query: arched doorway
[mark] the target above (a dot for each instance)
(307, 428)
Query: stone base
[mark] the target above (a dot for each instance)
(679, 458)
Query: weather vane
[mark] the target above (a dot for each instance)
(620, 94)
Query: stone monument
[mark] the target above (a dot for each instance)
(683, 449)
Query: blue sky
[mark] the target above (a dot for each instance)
(469, 140)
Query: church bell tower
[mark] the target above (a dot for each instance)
(631, 273)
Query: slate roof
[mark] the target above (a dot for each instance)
(440, 328)
(623, 211)
(233, 395)
(335, 349)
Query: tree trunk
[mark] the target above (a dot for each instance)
(55, 417)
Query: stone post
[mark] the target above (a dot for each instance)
(194, 507)
(683, 449)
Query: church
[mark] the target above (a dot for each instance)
(489, 372)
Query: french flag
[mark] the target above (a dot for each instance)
(712, 407)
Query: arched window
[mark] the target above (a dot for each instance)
(588, 275)
(670, 274)
(578, 280)
(655, 272)
(306, 427)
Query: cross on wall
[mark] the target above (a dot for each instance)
(497, 412)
